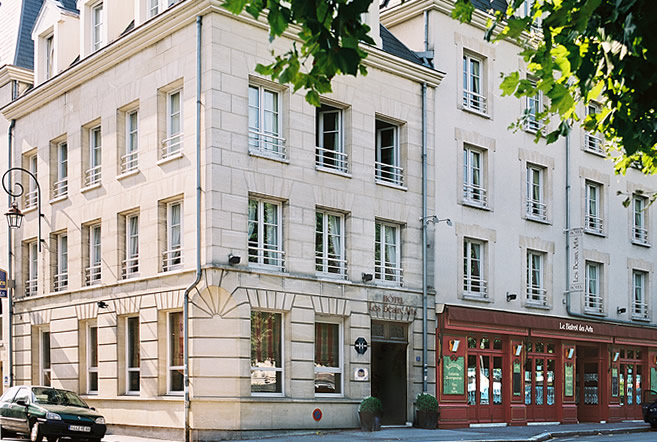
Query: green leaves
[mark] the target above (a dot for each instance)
(330, 34)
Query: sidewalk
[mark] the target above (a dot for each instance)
(481, 434)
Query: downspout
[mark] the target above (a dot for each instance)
(10, 267)
(425, 367)
(199, 22)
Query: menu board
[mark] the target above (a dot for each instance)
(568, 380)
(653, 379)
(453, 375)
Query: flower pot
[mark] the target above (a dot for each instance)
(426, 419)
(369, 421)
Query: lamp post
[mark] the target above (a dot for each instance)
(14, 221)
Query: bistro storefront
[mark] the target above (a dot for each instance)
(500, 367)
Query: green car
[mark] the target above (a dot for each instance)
(45, 412)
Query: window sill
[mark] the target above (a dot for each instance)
(90, 188)
(597, 314)
(29, 209)
(329, 395)
(133, 277)
(537, 305)
(640, 243)
(266, 268)
(475, 112)
(640, 319)
(332, 277)
(391, 185)
(268, 395)
(127, 174)
(475, 205)
(59, 198)
(595, 152)
(382, 283)
(467, 296)
(332, 171)
(170, 158)
(535, 219)
(268, 156)
(595, 233)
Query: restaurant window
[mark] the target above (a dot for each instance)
(175, 369)
(328, 358)
(266, 353)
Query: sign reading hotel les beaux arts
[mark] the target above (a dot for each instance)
(3, 284)
(576, 237)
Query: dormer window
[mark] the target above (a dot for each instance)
(97, 26)
(153, 7)
(50, 56)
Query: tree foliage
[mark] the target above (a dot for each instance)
(583, 51)
(329, 32)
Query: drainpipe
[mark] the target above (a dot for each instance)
(425, 367)
(199, 22)
(10, 267)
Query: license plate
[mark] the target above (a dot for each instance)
(79, 428)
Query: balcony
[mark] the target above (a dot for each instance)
(593, 144)
(475, 102)
(388, 273)
(130, 267)
(475, 195)
(60, 282)
(536, 210)
(331, 266)
(92, 176)
(30, 199)
(60, 188)
(387, 173)
(593, 304)
(640, 311)
(593, 224)
(536, 295)
(172, 259)
(171, 146)
(267, 144)
(31, 287)
(475, 287)
(640, 235)
(331, 159)
(129, 162)
(267, 256)
(92, 274)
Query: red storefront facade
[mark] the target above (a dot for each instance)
(500, 367)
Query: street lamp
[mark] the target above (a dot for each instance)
(14, 216)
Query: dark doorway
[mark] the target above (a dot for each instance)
(588, 390)
(389, 380)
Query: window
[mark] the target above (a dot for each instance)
(639, 230)
(265, 122)
(533, 109)
(31, 194)
(60, 186)
(153, 7)
(536, 293)
(536, 207)
(31, 283)
(593, 217)
(60, 280)
(387, 253)
(473, 177)
(92, 359)
(50, 56)
(44, 352)
(328, 358)
(639, 299)
(593, 142)
(266, 353)
(388, 167)
(172, 257)
(593, 296)
(474, 283)
(329, 244)
(133, 361)
(96, 26)
(473, 96)
(93, 173)
(93, 270)
(265, 233)
(176, 366)
(130, 265)
(130, 161)
(173, 143)
(330, 152)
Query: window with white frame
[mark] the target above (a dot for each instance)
(533, 108)
(536, 292)
(173, 143)
(153, 7)
(133, 360)
(130, 265)
(32, 273)
(387, 252)
(97, 26)
(388, 156)
(50, 55)
(474, 97)
(639, 229)
(330, 256)
(639, 299)
(93, 270)
(265, 233)
(30, 198)
(93, 173)
(474, 191)
(60, 186)
(593, 301)
(92, 359)
(330, 152)
(593, 216)
(60, 280)
(267, 372)
(328, 358)
(172, 257)
(44, 355)
(474, 282)
(130, 160)
(593, 142)
(535, 205)
(265, 122)
(176, 367)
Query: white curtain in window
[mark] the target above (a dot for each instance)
(175, 226)
(391, 249)
(134, 237)
(335, 237)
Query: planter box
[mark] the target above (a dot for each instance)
(369, 421)
(426, 419)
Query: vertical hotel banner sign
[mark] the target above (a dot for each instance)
(575, 238)
(3, 284)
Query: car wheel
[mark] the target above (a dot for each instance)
(52, 439)
(35, 434)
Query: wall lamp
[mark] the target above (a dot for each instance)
(367, 277)
(435, 220)
(234, 259)
(511, 296)
(621, 310)
(102, 304)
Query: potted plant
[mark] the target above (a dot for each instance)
(427, 411)
(369, 413)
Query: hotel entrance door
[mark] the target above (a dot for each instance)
(389, 344)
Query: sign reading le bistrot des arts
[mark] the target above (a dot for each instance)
(573, 327)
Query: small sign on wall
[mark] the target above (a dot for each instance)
(361, 374)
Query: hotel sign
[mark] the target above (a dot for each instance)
(575, 238)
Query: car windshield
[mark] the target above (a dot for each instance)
(51, 396)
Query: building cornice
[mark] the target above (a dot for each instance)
(10, 72)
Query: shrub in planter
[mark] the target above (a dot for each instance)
(369, 413)
(427, 411)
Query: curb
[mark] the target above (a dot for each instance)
(546, 436)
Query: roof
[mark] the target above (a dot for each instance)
(24, 45)
(69, 5)
(486, 5)
(393, 46)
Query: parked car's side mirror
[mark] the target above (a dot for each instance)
(21, 402)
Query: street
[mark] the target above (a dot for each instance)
(108, 438)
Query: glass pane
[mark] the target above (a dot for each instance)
(630, 384)
(622, 384)
(45, 350)
(93, 381)
(485, 344)
(327, 345)
(638, 385)
(328, 382)
(497, 380)
(93, 347)
(497, 344)
(472, 342)
(266, 352)
(133, 343)
(539, 381)
(472, 380)
(484, 380)
(550, 381)
(176, 343)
